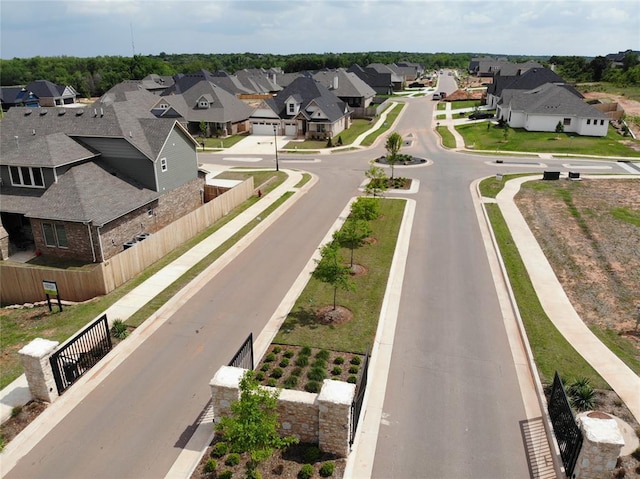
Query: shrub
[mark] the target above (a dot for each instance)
(338, 360)
(352, 379)
(323, 354)
(210, 466)
(336, 371)
(340, 141)
(276, 373)
(254, 474)
(312, 454)
(296, 372)
(228, 474)
(269, 358)
(356, 360)
(317, 374)
(265, 367)
(636, 454)
(582, 395)
(119, 329)
(233, 459)
(312, 387)
(288, 353)
(306, 472)
(272, 382)
(276, 349)
(15, 411)
(327, 469)
(260, 376)
(319, 363)
(353, 369)
(284, 363)
(302, 361)
(305, 351)
(291, 382)
(219, 449)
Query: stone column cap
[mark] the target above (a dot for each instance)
(39, 348)
(228, 376)
(604, 431)
(337, 392)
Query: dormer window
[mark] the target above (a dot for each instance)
(26, 176)
(291, 108)
(203, 104)
(164, 106)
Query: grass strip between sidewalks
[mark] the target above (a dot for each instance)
(20, 326)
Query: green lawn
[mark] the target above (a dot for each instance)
(227, 142)
(391, 117)
(300, 328)
(482, 137)
(20, 326)
(448, 139)
(551, 351)
(456, 105)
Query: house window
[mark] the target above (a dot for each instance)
(26, 176)
(566, 122)
(321, 127)
(589, 121)
(602, 122)
(291, 109)
(163, 164)
(55, 235)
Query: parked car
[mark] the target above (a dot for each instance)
(443, 94)
(436, 96)
(480, 115)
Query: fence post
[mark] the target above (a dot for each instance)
(37, 368)
(334, 416)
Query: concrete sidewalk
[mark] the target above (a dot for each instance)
(556, 304)
(17, 393)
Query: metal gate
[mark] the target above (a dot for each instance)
(566, 430)
(356, 404)
(244, 357)
(81, 353)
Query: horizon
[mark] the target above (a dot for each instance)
(86, 29)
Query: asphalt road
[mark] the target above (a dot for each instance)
(453, 404)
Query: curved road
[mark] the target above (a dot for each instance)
(453, 404)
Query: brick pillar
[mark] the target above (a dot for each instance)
(334, 416)
(600, 448)
(225, 389)
(37, 369)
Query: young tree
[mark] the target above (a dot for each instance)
(352, 234)
(393, 144)
(203, 128)
(253, 424)
(365, 208)
(330, 270)
(377, 184)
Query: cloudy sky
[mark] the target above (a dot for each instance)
(87, 28)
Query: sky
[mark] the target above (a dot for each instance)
(89, 28)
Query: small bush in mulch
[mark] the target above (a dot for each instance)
(327, 469)
(306, 472)
(314, 365)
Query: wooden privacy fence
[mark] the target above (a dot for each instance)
(23, 284)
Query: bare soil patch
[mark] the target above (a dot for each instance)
(330, 315)
(21, 417)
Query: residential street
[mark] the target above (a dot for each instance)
(453, 404)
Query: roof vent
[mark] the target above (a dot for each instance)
(95, 112)
(28, 112)
(79, 112)
(33, 132)
(101, 112)
(43, 112)
(61, 112)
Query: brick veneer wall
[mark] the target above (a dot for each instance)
(109, 240)
(322, 419)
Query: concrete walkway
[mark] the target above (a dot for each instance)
(557, 305)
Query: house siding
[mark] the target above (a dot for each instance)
(182, 162)
(124, 157)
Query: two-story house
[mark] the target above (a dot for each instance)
(83, 183)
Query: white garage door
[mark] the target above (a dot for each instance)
(262, 129)
(290, 130)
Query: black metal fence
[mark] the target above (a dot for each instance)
(244, 357)
(565, 428)
(356, 404)
(81, 353)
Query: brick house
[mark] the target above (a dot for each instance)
(83, 183)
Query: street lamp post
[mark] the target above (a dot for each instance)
(275, 142)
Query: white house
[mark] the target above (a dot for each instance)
(542, 108)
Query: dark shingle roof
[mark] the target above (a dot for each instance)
(90, 192)
(307, 90)
(348, 83)
(550, 99)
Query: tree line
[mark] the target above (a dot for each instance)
(93, 76)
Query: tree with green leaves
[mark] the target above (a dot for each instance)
(377, 184)
(352, 234)
(253, 424)
(203, 128)
(330, 270)
(367, 209)
(393, 144)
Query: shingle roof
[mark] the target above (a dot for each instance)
(550, 99)
(45, 89)
(528, 80)
(90, 192)
(308, 90)
(348, 83)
